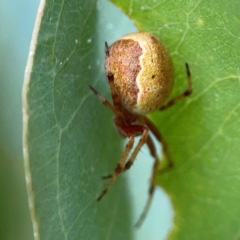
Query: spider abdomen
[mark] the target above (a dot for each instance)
(142, 72)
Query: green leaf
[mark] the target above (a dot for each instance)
(69, 138)
(203, 130)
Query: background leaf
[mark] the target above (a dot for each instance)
(17, 20)
(202, 131)
(68, 144)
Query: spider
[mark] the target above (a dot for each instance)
(140, 76)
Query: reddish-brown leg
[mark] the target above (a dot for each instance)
(106, 49)
(160, 138)
(141, 142)
(115, 97)
(152, 150)
(105, 102)
(184, 94)
(119, 167)
(110, 78)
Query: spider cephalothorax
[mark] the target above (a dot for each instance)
(140, 76)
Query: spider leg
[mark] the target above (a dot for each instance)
(119, 167)
(110, 78)
(184, 94)
(160, 138)
(141, 142)
(106, 48)
(152, 150)
(115, 97)
(105, 102)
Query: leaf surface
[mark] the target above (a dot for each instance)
(69, 139)
(202, 131)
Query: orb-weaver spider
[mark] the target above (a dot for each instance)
(140, 76)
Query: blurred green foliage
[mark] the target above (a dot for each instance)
(17, 20)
